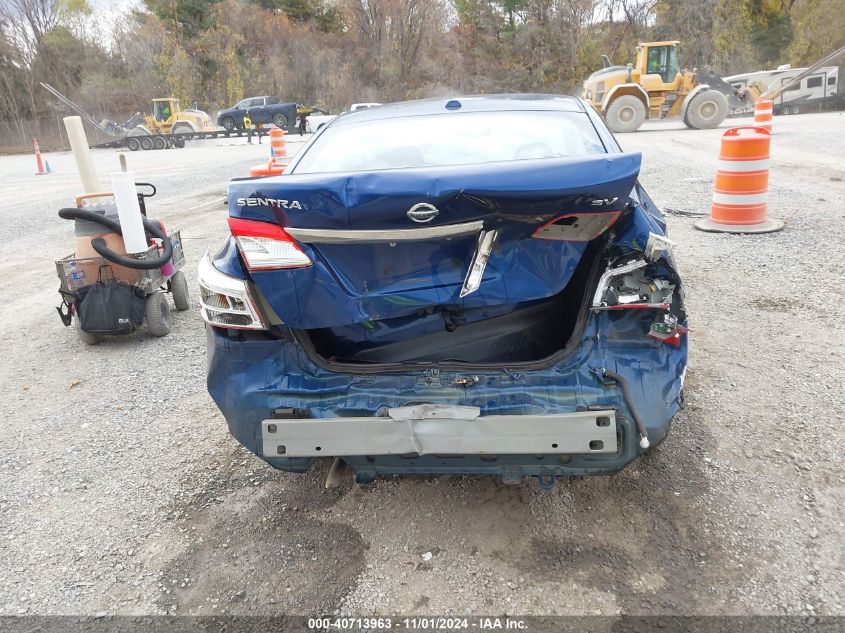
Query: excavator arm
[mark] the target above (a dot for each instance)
(106, 126)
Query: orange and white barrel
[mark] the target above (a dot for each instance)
(740, 194)
(763, 110)
(277, 143)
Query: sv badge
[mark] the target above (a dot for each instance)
(603, 202)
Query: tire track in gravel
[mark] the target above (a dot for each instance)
(259, 547)
(645, 534)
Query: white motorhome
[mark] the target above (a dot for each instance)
(809, 92)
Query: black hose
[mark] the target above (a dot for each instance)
(99, 244)
(629, 400)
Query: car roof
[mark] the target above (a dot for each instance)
(470, 103)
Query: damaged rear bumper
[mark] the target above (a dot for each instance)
(376, 424)
(441, 430)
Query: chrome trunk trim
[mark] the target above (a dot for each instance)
(351, 236)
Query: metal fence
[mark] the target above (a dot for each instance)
(16, 136)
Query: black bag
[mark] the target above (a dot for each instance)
(110, 307)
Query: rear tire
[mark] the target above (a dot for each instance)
(157, 314)
(178, 143)
(280, 121)
(86, 337)
(159, 142)
(132, 144)
(706, 110)
(625, 114)
(146, 142)
(179, 290)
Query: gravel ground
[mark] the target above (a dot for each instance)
(121, 492)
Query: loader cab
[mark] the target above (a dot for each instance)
(165, 109)
(657, 63)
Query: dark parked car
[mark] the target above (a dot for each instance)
(262, 110)
(478, 285)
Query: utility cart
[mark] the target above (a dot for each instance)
(75, 274)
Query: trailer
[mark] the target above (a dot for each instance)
(811, 91)
(134, 135)
(176, 140)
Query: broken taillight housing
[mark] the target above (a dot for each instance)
(267, 246)
(577, 227)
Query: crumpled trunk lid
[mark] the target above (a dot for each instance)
(395, 243)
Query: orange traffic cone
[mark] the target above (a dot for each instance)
(272, 168)
(763, 113)
(39, 162)
(277, 143)
(740, 195)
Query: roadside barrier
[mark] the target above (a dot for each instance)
(39, 162)
(740, 195)
(277, 143)
(763, 113)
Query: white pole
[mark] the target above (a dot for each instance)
(82, 154)
(129, 211)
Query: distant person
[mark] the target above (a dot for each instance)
(653, 66)
(303, 122)
(248, 127)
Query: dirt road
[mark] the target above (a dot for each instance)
(121, 492)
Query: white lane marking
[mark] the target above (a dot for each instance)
(205, 204)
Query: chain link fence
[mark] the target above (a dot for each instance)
(17, 136)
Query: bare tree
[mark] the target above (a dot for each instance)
(30, 20)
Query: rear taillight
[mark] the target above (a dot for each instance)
(225, 300)
(267, 246)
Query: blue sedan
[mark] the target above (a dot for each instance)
(477, 285)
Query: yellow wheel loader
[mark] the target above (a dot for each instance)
(656, 87)
(169, 118)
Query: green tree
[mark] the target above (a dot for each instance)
(819, 30)
(771, 30)
(188, 18)
(734, 50)
(325, 16)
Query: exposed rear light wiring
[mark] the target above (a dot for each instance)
(627, 287)
(267, 246)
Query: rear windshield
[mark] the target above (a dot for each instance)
(454, 138)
